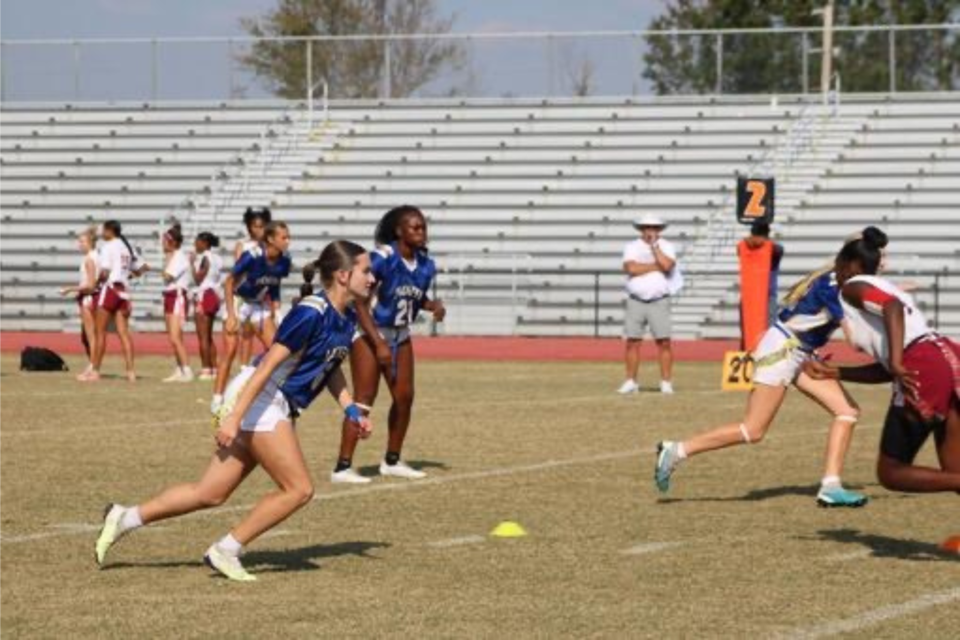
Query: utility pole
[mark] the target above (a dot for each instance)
(826, 67)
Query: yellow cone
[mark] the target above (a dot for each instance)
(508, 530)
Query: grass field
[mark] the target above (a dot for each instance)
(738, 550)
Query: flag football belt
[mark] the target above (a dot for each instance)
(792, 344)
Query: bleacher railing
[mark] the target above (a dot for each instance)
(599, 291)
(488, 64)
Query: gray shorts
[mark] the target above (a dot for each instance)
(639, 315)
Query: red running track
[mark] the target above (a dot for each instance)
(439, 348)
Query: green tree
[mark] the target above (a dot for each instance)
(352, 68)
(762, 63)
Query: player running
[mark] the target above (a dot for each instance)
(177, 281)
(311, 343)
(251, 290)
(118, 263)
(86, 293)
(923, 365)
(207, 266)
(810, 313)
(403, 272)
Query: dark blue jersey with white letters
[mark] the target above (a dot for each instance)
(817, 314)
(319, 338)
(403, 288)
(258, 279)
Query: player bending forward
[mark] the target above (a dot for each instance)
(305, 357)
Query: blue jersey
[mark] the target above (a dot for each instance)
(817, 314)
(258, 278)
(403, 288)
(319, 338)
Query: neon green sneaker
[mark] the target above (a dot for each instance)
(227, 565)
(110, 531)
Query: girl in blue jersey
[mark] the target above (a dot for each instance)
(251, 292)
(312, 342)
(810, 313)
(404, 274)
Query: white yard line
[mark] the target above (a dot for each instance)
(650, 547)
(851, 555)
(872, 617)
(456, 542)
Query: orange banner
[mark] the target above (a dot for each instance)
(754, 291)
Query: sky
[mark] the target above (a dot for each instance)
(203, 70)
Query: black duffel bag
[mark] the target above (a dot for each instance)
(41, 359)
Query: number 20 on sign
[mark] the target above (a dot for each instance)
(738, 368)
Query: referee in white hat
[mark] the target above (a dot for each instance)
(650, 263)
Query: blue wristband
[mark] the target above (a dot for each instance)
(353, 413)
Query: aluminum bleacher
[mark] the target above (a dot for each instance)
(529, 201)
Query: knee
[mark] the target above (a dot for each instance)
(301, 494)
(751, 435)
(665, 345)
(887, 473)
(849, 414)
(403, 400)
(211, 499)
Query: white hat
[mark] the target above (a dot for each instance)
(649, 220)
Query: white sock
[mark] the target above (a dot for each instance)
(230, 545)
(681, 451)
(187, 371)
(218, 398)
(131, 519)
(830, 481)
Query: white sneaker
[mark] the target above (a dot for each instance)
(176, 376)
(666, 387)
(628, 387)
(227, 565)
(186, 375)
(207, 374)
(401, 470)
(348, 476)
(110, 532)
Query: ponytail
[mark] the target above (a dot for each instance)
(117, 230)
(309, 273)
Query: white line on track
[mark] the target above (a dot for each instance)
(456, 542)
(872, 617)
(650, 547)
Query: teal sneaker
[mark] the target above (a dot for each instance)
(840, 497)
(667, 460)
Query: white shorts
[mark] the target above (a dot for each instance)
(250, 311)
(778, 359)
(269, 409)
(392, 335)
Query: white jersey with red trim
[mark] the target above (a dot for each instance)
(868, 333)
(214, 268)
(178, 269)
(117, 259)
(93, 256)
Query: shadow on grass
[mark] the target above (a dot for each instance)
(755, 495)
(769, 493)
(374, 469)
(302, 559)
(887, 547)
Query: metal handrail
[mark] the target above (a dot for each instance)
(947, 26)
